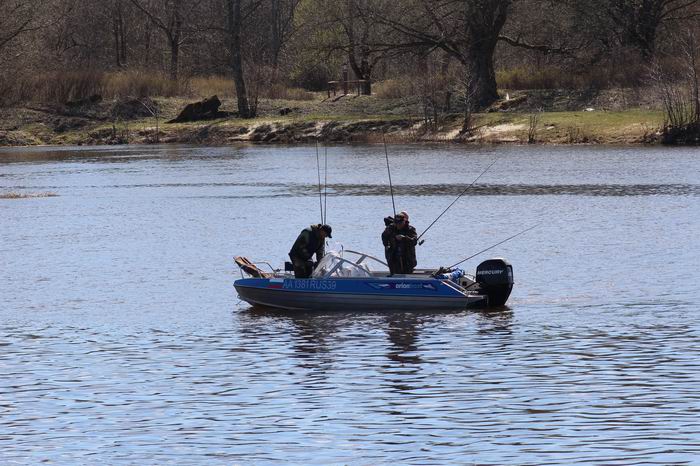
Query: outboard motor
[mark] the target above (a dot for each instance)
(495, 278)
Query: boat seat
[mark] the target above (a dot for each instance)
(251, 269)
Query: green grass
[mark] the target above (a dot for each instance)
(572, 127)
(599, 119)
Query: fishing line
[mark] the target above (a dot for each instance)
(391, 186)
(458, 197)
(320, 194)
(325, 187)
(491, 247)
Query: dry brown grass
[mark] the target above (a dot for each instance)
(137, 83)
(394, 89)
(631, 74)
(52, 87)
(224, 87)
(282, 92)
(65, 86)
(212, 85)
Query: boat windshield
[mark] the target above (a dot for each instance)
(334, 266)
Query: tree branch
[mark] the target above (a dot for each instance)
(547, 49)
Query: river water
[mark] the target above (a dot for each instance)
(122, 339)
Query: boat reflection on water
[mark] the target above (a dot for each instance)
(315, 336)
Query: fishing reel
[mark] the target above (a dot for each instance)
(441, 271)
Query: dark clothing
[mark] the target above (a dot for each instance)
(307, 244)
(400, 253)
(302, 269)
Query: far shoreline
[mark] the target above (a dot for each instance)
(350, 119)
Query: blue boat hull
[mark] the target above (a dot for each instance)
(356, 294)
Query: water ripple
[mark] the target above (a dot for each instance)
(121, 340)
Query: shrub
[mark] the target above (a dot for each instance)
(225, 87)
(280, 91)
(312, 78)
(624, 74)
(531, 78)
(394, 89)
(213, 85)
(139, 83)
(64, 86)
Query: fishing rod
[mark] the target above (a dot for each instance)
(458, 197)
(391, 186)
(491, 247)
(320, 194)
(325, 186)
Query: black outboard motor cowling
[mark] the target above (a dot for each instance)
(495, 278)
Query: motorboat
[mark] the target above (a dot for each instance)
(355, 281)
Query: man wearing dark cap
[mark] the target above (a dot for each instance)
(311, 240)
(399, 239)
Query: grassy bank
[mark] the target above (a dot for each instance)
(569, 118)
(631, 126)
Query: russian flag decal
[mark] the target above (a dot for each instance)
(276, 283)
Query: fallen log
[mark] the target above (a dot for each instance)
(207, 109)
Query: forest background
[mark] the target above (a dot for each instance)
(110, 71)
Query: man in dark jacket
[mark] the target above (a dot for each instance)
(311, 240)
(400, 241)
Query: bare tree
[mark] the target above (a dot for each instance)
(679, 91)
(80, 37)
(465, 93)
(172, 17)
(281, 21)
(468, 30)
(638, 22)
(360, 30)
(634, 23)
(119, 32)
(18, 17)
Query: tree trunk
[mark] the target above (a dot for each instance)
(234, 32)
(643, 28)
(366, 72)
(481, 76)
(692, 55)
(484, 25)
(367, 86)
(275, 33)
(122, 33)
(119, 31)
(174, 59)
(356, 41)
(117, 45)
(362, 71)
(175, 38)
